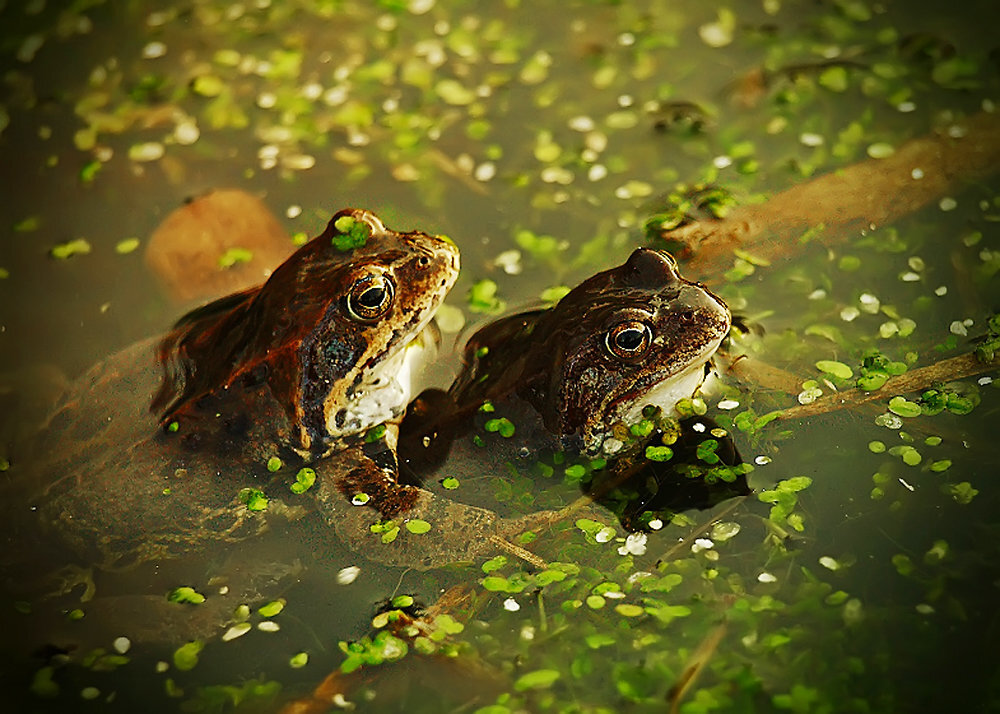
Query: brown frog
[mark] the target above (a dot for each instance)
(172, 443)
(625, 345)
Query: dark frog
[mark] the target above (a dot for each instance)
(171, 443)
(619, 350)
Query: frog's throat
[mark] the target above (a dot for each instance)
(667, 394)
(386, 390)
(684, 384)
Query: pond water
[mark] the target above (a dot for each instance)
(862, 574)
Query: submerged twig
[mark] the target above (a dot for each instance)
(522, 553)
(702, 527)
(696, 663)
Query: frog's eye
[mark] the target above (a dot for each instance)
(628, 340)
(370, 298)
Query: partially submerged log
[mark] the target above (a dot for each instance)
(860, 197)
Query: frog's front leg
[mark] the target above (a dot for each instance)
(405, 525)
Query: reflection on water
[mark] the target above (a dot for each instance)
(540, 140)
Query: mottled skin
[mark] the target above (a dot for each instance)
(600, 354)
(572, 376)
(146, 454)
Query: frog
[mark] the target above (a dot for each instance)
(624, 346)
(177, 442)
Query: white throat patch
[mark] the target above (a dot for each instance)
(383, 396)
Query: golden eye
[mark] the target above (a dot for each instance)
(628, 340)
(370, 298)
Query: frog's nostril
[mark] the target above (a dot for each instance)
(423, 261)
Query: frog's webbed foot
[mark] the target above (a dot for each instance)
(416, 528)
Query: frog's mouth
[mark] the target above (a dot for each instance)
(388, 388)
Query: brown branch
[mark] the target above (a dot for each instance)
(862, 196)
(695, 664)
(915, 380)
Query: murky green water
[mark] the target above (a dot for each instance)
(539, 137)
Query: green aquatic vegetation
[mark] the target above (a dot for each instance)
(389, 530)
(538, 679)
(126, 246)
(989, 344)
(272, 608)
(840, 73)
(417, 526)
(554, 294)
(99, 660)
(502, 426)
(371, 651)
(253, 498)
(305, 478)
(208, 85)
(483, 297)
(685, 203)
(375, 434)
(185, 594)
(962, 493)
(957, 398)
(233, 256)
(659, 453)
(839, 370)
(225, 112)
(909, 455)
(876, 369)
(186, 656)
(351, 233)
(904, 407)
(749, 423)
(544, 248)
(28, 224)
(784, 498)
(77, 246)
(42, 683)
(257, 694)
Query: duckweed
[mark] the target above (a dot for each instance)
(185, 594)
(417, 526)
(186, 656)
(428, 97)
(351, 233)
(272, 608)
(254, 499)
(305, 478)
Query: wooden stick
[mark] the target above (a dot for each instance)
(858, 197)
(915, 380)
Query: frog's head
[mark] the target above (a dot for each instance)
(333, 334)
(630, 336)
